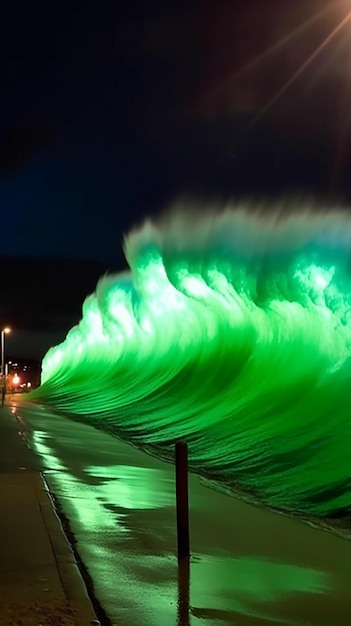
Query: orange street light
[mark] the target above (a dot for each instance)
(16, 380)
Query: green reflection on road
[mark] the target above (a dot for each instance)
(132, 487)
(225, 588)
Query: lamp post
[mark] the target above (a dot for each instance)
(4, 331)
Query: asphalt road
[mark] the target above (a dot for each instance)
(249, 567)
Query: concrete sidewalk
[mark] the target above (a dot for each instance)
(40, 583)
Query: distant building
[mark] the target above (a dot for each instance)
(22, 374)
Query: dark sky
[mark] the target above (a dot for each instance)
(109, 111)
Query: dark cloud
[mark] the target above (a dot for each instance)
(19, 145)
(152, 100)
(45, 294)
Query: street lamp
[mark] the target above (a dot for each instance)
(4, 331)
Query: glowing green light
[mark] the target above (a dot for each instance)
(234, 334)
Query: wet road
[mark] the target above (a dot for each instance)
(249, 567)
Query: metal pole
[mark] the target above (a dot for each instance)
(182, 501)
(183, 592)
(3, 383)
(2, 353)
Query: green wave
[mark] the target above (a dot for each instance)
(232, 332)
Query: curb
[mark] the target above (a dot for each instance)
(69, 573)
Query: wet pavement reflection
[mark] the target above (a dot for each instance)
(247, 566)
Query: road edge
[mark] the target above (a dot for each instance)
(70, 575)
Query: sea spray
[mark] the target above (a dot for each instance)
(232, 330)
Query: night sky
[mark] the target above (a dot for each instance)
(110, 112)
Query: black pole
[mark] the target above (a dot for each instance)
(3, 383)
(183, 592)
(181, 468)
